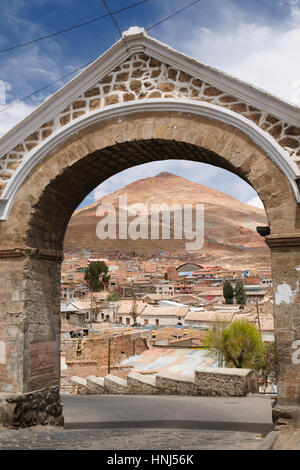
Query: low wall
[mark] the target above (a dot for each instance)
(79, 386)
(226, 382)
(171, 384)
(95, 348)
(138, 384)
(95, 385)
(115, 385)
(206, 382)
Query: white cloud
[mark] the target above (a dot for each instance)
(201, 173)
(256, 202)
(275, 66)
(266, 55)
(98, 193)
(13, 115)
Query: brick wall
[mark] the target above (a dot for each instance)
(89, 356)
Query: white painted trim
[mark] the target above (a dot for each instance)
(137, 40)
(246, 92)
(267, 143)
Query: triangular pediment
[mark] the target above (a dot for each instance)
(137, 68)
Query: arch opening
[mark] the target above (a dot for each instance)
(68, 189)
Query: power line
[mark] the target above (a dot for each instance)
(85, 65)
(114, 22)
(98, 18)
(47, 86)
(173, 14)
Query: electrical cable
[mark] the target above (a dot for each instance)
(173, 14)
(85, 65)
(98, 18)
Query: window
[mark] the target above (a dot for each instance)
(146, 322)
(127, 321)
(157, 321)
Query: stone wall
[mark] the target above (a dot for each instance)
(29, 323)
(172, 384)
(30, 409)
(286, 284)
(226, 382)
(94, 356)
(205, 382)
(95, 385)
(137, 384)
(115, 385)
(79, 386)
(82, 368)
(86, 368)
(96, 348)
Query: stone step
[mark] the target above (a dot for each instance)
(95, 385)
(173, 384)
(79, 385)
(115, 385)
(139, 384)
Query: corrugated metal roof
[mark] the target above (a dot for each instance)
(180, 361)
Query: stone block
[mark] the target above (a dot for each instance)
(139, 384)
(173, 384)
(226, 381)
(95, 385)
(79, 386)
(115, 385)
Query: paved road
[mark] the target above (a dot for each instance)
(208, 413)
(112, 422)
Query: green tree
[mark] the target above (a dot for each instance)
(240, 293)
(134, 311)
(112, 297)
(240, 344)
(96, 276)
(228, 292)
(269, 363)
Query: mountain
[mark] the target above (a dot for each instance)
(230, 225)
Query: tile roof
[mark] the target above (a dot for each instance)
(210, 317)
(164, 311)
(125, 306)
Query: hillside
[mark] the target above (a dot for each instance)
(230, 225)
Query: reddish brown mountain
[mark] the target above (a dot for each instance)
(230, 225)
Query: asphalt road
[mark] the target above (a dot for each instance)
(114, 422)
(246, 414)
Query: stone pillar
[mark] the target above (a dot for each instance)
(286, 294)
(29, 337)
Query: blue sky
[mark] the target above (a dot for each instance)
(255, 40)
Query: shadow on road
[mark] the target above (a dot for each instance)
(259, 428)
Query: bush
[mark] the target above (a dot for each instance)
(239, 344)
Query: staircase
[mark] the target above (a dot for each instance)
(205, 382)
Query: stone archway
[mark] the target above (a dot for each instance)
(47, 169)
(34, 233)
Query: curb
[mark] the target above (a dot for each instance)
(269, 441)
